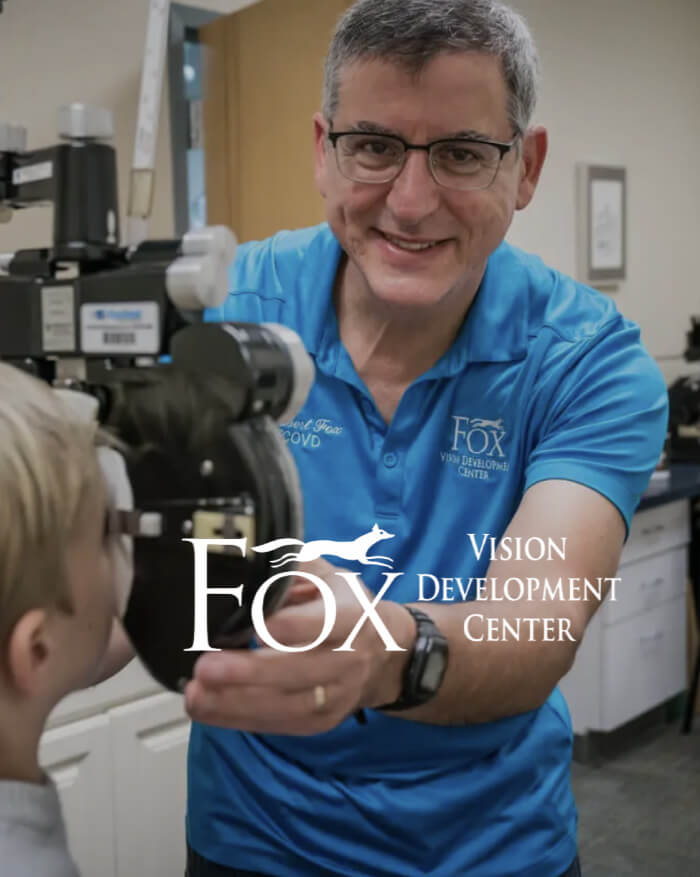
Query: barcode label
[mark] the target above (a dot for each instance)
(121, 328)
(57, 319)
(119, 337)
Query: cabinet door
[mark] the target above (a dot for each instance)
(581, 685)
(647, 583)
(77, 757)
(644, 663)
(657, 529)
(149, 745)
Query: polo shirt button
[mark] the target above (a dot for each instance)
(390, 460)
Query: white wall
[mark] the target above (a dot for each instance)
(620, 87)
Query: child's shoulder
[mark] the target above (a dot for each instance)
(32, 834)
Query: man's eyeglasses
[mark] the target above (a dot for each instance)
(456, 164)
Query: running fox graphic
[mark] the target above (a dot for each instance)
(482, 423)
(355, 550)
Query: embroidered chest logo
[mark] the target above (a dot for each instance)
(477, 447)
(310, 432)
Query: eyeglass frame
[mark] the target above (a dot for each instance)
(503, 148)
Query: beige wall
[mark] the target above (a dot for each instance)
(53, 52)
(620, 87)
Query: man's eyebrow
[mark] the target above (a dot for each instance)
(467, 134)
(374, 128)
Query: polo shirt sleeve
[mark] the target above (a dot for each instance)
(605, 415)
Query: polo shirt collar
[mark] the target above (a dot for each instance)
(316, 281)
(496, 326)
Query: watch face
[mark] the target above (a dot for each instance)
(433, 670)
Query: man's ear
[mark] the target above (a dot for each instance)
(29, 652)
(534, 152)
(320, 153)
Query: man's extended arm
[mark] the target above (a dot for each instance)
(490, 680)
(268, 691)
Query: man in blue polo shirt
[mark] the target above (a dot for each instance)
(480, 429)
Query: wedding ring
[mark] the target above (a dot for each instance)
(319, 698)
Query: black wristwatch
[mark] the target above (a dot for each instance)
(426, 665)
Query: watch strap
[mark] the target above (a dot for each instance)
(428, 638)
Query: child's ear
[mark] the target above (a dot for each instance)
(30, 652)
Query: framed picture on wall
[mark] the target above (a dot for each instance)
(602, 230)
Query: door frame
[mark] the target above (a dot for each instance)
(182, 18)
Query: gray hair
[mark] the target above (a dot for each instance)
(412, 32)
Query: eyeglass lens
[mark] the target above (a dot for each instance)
(377, 158)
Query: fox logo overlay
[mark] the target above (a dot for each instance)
(356, 549)
(478, 626)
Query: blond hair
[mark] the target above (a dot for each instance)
(48, 464)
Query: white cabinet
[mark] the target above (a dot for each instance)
(78, 759)
(121, 776)
(633, 654)
(643, 662)
(149, 742)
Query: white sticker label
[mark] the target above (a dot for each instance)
(32, 173)
(120, 328)
(57, 319)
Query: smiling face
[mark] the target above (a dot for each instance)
(384, 228)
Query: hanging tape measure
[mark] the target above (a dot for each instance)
(142, 181)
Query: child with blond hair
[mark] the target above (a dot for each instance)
(57, 603)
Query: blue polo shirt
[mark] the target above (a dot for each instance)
(544, 380)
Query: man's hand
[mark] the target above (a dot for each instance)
(275, 692)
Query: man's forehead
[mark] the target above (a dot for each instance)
(459, 92)
(479, 66)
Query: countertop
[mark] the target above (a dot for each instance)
(683, 483)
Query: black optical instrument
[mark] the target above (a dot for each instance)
(192, 403)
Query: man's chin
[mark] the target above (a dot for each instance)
(410, 294)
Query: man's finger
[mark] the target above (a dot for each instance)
(319, 567)
(324, 570)
(270, 669)
(302, 591)
(315, 622)
(255, 708)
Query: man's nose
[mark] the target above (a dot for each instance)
(414, 193)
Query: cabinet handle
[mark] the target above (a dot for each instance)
(649, 531)
(655, 584)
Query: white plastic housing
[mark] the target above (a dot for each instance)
(13, 138)
(84, 122)
(302, 366)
